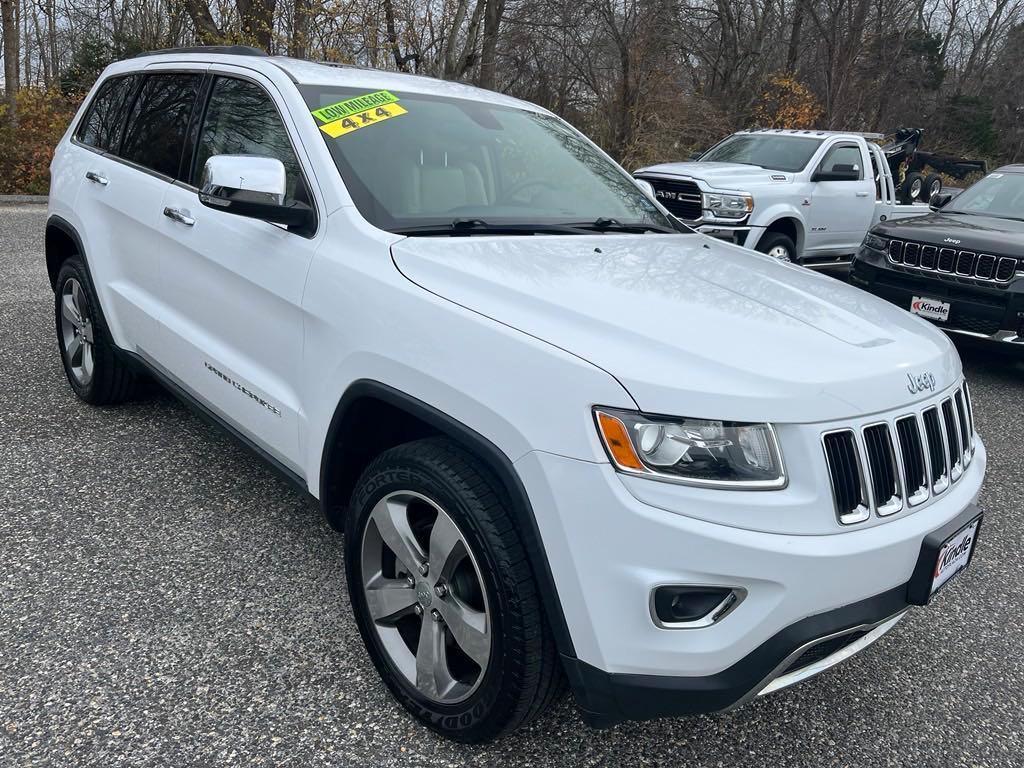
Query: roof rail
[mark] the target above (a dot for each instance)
(234, 50)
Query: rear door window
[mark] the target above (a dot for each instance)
(103, 123)
(158, 126)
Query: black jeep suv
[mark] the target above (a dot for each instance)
(962, 266)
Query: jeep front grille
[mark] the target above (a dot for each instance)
(950, 261)
(887, 466)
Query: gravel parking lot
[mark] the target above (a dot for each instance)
(166, 600)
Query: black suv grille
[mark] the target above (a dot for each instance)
(929, 258)
(682, 198)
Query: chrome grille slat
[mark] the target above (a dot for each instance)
(929, 257)
(911, 254)
(952, 435)
(947, 260)
(883, 472)
(848, 489)
(933, 433)
(913, 459)
(965, 263)
(1006, 269)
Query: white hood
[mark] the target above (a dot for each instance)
(727, 176)
(691, 326)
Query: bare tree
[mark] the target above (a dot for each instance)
(10, 38)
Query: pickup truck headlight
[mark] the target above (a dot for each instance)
(727, 206)
(876, 243)
(723, 454)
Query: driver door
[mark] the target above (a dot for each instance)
(233, 285)
(841, 211)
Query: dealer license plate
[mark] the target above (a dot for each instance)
(933, 309)
(954, 555)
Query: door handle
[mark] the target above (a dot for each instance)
(96, 178)
(863, 194)
(179, 215)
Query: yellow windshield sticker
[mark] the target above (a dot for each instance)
(361, 119)
(349, 107)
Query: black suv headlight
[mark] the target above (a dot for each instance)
(876, 243)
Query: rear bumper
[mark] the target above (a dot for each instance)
(798, 652)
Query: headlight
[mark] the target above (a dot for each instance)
(727, 206)
(725, 454)
(876, 243)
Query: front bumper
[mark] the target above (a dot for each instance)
(608, 550)
(976, 309)
(737, 235)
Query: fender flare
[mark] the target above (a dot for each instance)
(57, 222)
(776, 214)
(496, 460)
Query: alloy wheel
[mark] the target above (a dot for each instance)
(77, 332)
(779, 252)
(425, 597)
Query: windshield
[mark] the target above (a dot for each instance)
(776, 153)
(413, 161)
(998, 194)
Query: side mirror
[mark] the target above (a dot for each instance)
(646, 186)
(252, 186)
(939, 199)
(838, 173)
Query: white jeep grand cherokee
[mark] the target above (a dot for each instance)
(566, 441)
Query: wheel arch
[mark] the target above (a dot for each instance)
(790, 226)
(395, 418)
(62, 241)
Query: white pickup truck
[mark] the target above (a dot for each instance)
(803, 196)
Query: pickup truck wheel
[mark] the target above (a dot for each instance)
(96, 374)
(932, 186)
(443, 593)
(778, 246)
(912, 189)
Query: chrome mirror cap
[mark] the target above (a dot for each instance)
(251, 178)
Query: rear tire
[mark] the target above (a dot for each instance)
(778, 246)
(932, 186)
(458, 638)
(912, 188)
(91, 363)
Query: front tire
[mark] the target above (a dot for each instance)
(443, 593)
(778, 246)
(94, 370)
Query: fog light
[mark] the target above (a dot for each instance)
(690, 606)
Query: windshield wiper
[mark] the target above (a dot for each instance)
(466, 227)
(604, 224)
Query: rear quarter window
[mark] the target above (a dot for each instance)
(104, 120)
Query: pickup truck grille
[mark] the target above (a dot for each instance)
(884, 467)
(682, 198)
(951, 261)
